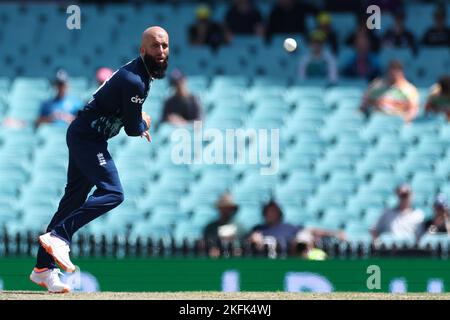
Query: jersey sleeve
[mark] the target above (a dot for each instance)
(133, 96)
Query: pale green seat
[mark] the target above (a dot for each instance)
(327, 165)
(420, 128)
(249, 216)
(324, 200)
(187, 231)
(296, 161)
(444, 133)
(8, 212)
(125, 214)
(159, 196)
(371, 217)
(359, 204)
(370, 165)
(247, 195)
(259, 93)
(147, 229)
(434, 240)
(443, 168)
(294, 214)
(333, 129)
(109, 228)
(412, 163)
(299, 93)
(168, 215)
(380, 124)
(426, 182)
(336, 94)
(384, 180)
(198, 198)
(223, 82)
(390, 240)
(356, 231)
(203, 215)
(39, 215)
(273, 100)
(334, 218)
(265, 81)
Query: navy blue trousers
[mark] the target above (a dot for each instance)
(90, 164)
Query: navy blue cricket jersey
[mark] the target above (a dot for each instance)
(118, 102)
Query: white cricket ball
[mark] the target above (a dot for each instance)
(290, 44)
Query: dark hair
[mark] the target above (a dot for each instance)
(444, 83)
(272, 203)
(395, 64)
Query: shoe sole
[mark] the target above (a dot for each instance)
(48, 249)
(42, 284)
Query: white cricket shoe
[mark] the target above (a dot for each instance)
(49, 278)
(58, 249)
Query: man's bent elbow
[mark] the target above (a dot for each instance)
(132, 132)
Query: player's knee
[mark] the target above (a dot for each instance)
(118, 198)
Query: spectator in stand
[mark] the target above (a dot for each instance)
(61, 109)
(398, 36)
(363, 63)
(273, 232)
(439, 99)
(324, 25)
(392, 95)
(363, 31)
(181, 107)
(403, 221)
(13, 123)
(224, 229)
(439, 34)
(205, 31)
(102, 75)
(287, 236)
(318, 62)
(440, 222)
(306, 239)
(304, 247)
(244, 18)
(288, 17)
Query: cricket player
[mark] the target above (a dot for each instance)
(116, 104)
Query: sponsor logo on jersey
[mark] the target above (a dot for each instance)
(137, 100)
(101, 159)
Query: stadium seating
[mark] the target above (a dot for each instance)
(337, 169)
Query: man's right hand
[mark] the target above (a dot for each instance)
(147, 119)
(147, 136)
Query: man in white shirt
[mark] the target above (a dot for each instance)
(403, 221)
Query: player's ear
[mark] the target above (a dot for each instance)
(142, 50)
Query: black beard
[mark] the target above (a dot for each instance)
(157, 69)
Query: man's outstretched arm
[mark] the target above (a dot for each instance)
(133, 121)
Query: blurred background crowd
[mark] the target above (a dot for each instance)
(363, 118)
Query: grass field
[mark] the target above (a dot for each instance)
(41, 295)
